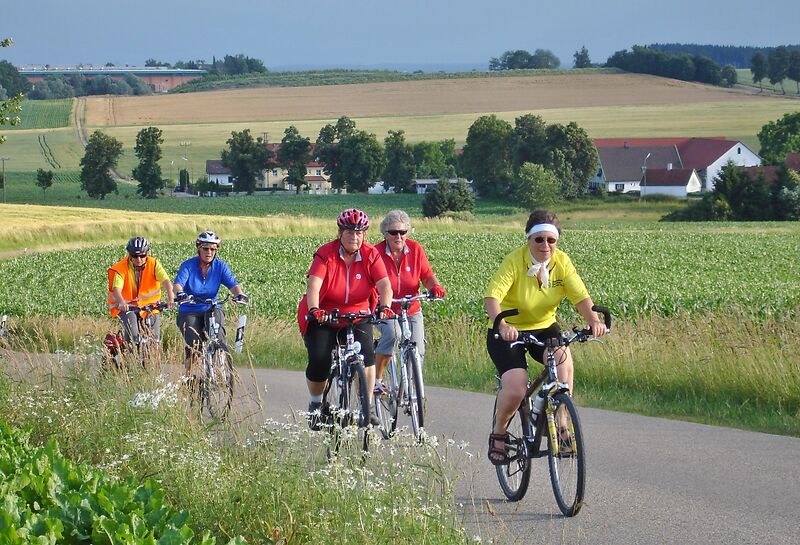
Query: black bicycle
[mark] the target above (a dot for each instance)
(218, 376)
(146, 347)
(547, 409)
(345, 400)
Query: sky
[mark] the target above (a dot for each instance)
(397, 34)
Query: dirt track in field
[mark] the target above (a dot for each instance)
(415, 98)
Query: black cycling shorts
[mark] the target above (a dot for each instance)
(320, 340)
(506, 357)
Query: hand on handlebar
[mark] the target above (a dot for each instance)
(242, 299)
(438, 291)
(318, 314)
(507, 332)
(597, 327)
(384, 313)
(181, 297)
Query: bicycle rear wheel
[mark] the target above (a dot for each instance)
(515, 476)
(566, 456)
(216, 386)
(416, 401)
(386, 404)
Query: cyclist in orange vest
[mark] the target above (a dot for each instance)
(137, 279)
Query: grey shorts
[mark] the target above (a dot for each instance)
(130, 326)
(390, 334)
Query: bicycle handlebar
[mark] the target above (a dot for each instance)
(159, 305)
(192, 300)
(406, 301)
(351, 317)
(579, 334)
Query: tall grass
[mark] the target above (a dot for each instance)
(717, 368)
(269, 481)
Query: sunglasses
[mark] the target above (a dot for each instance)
(138, 256)
(395, 232)
(208, 248)
(550, 240)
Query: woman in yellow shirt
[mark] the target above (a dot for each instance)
(534, 279)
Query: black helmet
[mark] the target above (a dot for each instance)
(138, 246)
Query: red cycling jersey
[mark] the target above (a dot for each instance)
(405, 278)
(349, 289)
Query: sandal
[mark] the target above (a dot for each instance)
(564, 440)
(498, 455)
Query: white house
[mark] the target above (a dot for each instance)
(678, 182)
(217, 173)
(425, 184)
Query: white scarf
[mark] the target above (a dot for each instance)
(539, 270)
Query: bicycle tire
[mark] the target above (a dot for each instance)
(515, 476)
(216, 386)
(357, 404)
(567, 469)
(386, 405)
(416, 401)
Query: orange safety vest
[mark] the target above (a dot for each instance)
(149, 288)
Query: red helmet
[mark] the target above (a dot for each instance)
(354, 219)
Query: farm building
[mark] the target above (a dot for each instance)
(677, 182)
(423, 185)
(159, 79)
(624, 161)
(273, 177)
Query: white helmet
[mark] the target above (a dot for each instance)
(208, 237)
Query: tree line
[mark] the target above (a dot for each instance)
(778, 64)
(738, 56)
(681, 66)
(229, 65)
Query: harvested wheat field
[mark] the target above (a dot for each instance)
(413, 98)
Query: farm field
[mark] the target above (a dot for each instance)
(606, 105)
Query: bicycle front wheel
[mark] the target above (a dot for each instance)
(515, 476)
(416, 400)
(386, 404)
(216, 387)
(567, 456)
(357, 404)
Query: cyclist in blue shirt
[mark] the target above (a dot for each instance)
(201, 278)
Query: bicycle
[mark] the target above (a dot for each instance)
(547, 406)
(216, 382)
(345, 400)
(406, 390)
(148, 347)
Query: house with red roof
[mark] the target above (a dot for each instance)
(623, 162)
(770, 172)
(677, 182)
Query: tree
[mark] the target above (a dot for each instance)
(293, 155)
(758, 67)
(101, 155)
(155, 63)
(748, 198)
(778, 65)
(582, 59)
(327, 148)
(572, 154)
(44, 179)
(534, 187)
(793, 71)
(400, 169)
(11, 80)
(706, 70)
(9, 106)
(361, 160)
(460, 197)
(782, 194)
(729, 76)
(780, 137)
(246, 158)
(545, 59)
(486, 158)
(529, 140)
(148, 171)
(437, 200)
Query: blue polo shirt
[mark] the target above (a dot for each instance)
(190, 277)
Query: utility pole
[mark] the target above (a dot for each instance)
(3, 160)
(644, 176)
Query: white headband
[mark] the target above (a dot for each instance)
(543, 227)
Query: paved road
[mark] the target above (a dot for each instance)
(650, 480)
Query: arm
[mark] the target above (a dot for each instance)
(119, 300)
(507, 332)
(597, 325)
(313, 286)
(384, 291)
(166, 286)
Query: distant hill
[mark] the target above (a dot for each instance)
(737, 55)
(396, 66)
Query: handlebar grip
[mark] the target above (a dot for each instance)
(606, 315)
(504, 314)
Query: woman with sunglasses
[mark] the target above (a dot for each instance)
(137, 279)
(344, 274)
(408, 266)
(534, 279)
(201, 277)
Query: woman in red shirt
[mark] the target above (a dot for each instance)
(343, 275)
(407, 266)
